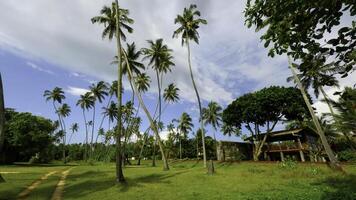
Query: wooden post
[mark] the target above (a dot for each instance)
(300, 150)
(211, 169)
(281, 153)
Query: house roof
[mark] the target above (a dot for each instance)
(283, 135)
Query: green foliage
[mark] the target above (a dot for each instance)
(28, 135)
(267, 105)
(347, 155)
(301, 29)
(288, 163)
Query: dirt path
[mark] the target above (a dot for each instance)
(57, 194)
(24, 194)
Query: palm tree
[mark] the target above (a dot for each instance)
(115, 20)
(170, 93)
(64, 111)
(57, 96)
(74, 128)
(110, 112)
(212, 115)
(132, 56)
(143, 82)
(189, 30)
(160, 59)
(317, 76)
(150, 118)
(86, 102)
(329, 152)
(184, 126)
(99, 92)
(346, 107)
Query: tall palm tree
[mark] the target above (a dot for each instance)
(132, 56)
(99, 91)
(333, 160)
(160, 59)
(2, 121)
(64, 112)
(150, 118)
(189, 30)
(212, 115)
(86, 102)
(57, 96)
(73, 128)
(184, 126)
(115, 20)
(110, 112)
(317, 76)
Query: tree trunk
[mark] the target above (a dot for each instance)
(2, 123)
(333, 160)
(92, 134)
(119, 174)
(153, 125)
(86, 137)
(180, 148)
(351, 143)
(199, 103)
(216, 145)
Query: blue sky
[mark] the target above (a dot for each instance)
(58, 46)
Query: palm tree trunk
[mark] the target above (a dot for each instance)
(333, 160)
(119, 174)
(86, 137)
(92, 134)
(197, 139)
(180, 148)
(2, 124)
(102, 119)
(199, 103)
(351, 143)
(64, 142)
(216, 145)
(153, 125)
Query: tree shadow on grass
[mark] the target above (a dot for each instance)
(100, 181)
(342, 188)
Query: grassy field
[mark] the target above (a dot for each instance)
(187, 180)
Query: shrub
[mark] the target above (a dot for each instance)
(347, 155)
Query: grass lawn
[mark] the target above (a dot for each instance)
(188, 180)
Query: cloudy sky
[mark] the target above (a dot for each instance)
(44, 44)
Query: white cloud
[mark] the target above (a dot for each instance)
(229, 61)
(38, 68)
(75, 91)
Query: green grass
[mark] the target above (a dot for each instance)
(188, 180)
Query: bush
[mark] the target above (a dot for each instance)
(288, 163)
(347, 155)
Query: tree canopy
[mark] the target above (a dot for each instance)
(309, 31)
(265, 106)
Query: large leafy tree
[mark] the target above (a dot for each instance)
(189, 24)
(212, 115)
(115, 21)
(86, 101)
(302, 30)
(264, 108)
(26, 136)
